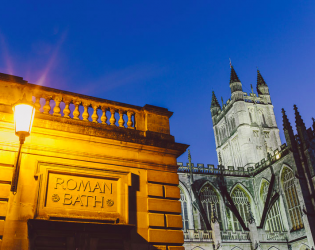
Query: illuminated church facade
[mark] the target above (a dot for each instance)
(261, 195)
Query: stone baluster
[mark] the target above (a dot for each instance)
(121, 121)
(76, 112)
(85, 114)
(66, 110)
(95, 115)
(112, 119)
(130, 123)
(57, 106)
(37, 104)
(104, 117)
(47, 107)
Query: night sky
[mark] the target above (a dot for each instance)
(166, 53)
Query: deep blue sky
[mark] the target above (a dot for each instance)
(165, 53)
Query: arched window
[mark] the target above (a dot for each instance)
(241, 202)
(274, 220)
(287, 179)
(184, 213)
(208, 198)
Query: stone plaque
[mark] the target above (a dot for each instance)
(81, 193)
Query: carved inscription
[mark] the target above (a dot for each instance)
(81, 193)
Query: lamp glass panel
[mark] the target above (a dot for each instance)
(23, 118)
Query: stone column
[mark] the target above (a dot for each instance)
(253, 232)
(216, 233)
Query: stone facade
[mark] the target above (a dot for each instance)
(94, 174)
(259, 196)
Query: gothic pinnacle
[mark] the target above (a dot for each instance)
(214, 101)
(298, 118)
(260, 79)
(286, 123)
(234, 77)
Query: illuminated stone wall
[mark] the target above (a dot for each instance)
(93, 174)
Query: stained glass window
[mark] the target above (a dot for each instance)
(273, 220)
(241, 202)
(184, 213)
(287, 178)
(208, 198)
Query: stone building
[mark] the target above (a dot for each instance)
(261, 195)
(94, 174)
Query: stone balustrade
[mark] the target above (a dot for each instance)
(198, 235)
(210, 169)
(233, 236)
(274, 236)
(50, 102)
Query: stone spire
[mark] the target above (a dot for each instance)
(301, 128)
(288, 131)
(233, 76)
(236, 86)
(214, 101)
(190, 168)
(298, 119)
(262, 87)
(215, 105)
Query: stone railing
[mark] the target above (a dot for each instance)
(274, 236)
(57, 103)
(210, 169)
(234, 236)
(198, 235)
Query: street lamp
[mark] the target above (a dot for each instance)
(24, 112)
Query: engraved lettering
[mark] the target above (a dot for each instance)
(109, 188)
(72, 186)
(84, 186)
(87, 199)
(97, 186)
(68, 199)
(78, 199)
(99, 201)
(59, 181)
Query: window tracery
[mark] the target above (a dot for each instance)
(184, 212)
(287, 179)
(208, 198)
(241, 202)
(273, 221)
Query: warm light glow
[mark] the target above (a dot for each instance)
(277, 156)
(23, 118)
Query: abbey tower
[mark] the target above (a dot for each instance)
(245, 127)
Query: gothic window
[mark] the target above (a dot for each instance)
(236, 152)
(287, 179)
(241, 202)
(208, 198)
(273, 220)
(184, 210)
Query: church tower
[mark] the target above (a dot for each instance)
(245, 127)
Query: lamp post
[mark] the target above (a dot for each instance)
(24, 112)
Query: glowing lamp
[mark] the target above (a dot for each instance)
(24, 112)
